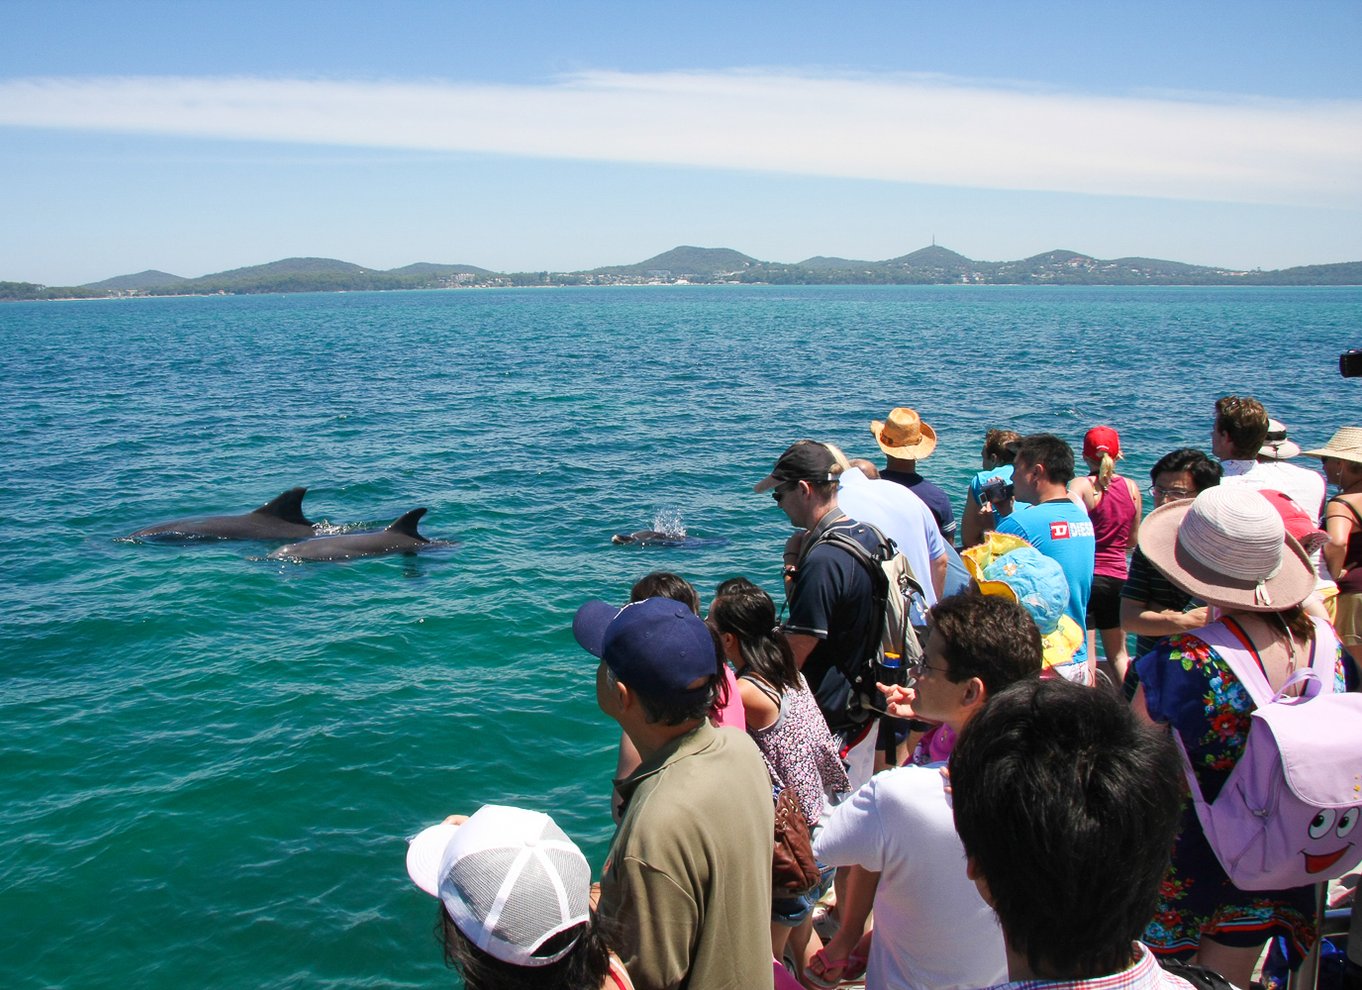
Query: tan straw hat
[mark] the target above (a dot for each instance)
(1228, 547)
(903, 434)
(1344, 445)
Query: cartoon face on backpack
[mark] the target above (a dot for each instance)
(1327, 836)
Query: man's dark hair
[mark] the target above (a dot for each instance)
(987, 637)
(1049, 451)
(688, 706)
(730, 586)
(1244, 421)
(1047, 780)
(1204, 470)
(665, 584)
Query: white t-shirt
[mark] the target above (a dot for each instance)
(900, 515)
(932, 929)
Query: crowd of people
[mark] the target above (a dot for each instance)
(1012, 812)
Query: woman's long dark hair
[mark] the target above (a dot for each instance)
(583, 968)
(750, 615)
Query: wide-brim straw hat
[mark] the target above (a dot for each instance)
(1276, 447)
(1229, 548)
(1344, 445)
(903, 434)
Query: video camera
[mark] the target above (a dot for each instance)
(998, 490)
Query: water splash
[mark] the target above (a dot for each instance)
(669, 521)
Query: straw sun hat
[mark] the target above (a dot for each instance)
(1344, 445)
(903, 434)
(1228, 547)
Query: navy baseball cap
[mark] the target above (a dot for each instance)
(658, 646)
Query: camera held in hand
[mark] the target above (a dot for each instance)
(999, 490)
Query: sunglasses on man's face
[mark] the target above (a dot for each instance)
(780, 491)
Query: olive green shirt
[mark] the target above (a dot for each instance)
(686, 891)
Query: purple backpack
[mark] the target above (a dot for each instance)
(1288, 813)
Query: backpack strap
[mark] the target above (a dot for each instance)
(1230, 641)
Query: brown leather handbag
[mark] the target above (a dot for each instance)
(793, 868)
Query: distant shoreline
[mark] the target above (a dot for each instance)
(709, 285)
(934, 265)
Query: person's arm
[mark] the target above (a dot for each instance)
(1338, 523)
(940, 567)
(758, 708)
(801, 645)
(974, 521)
(1140, 618)
(1081, 490)
(1134, 540)
(1139, 706)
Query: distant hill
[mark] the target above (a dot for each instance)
(933, 265)
(426, 268)
(686, 260)
(1344, 273)
(931, 257)
(824, 264)
(149, 279)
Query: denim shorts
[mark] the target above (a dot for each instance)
(791, 909)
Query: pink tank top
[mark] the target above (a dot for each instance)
(1112, 519)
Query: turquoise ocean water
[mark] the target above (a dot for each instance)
(211, 761)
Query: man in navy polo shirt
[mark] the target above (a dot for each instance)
(831, 598)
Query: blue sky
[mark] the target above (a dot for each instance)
(195, 137)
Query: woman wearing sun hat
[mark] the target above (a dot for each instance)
(515, 896)
(1342, 458)
(1228, 547)
(1114, 505)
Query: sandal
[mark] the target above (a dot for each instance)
(850, 968)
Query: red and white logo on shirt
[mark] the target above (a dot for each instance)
(1059, 530)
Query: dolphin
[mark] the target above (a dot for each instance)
(280, 519)
(400, 537)
(653, 538)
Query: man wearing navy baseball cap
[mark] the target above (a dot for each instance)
(687, 883)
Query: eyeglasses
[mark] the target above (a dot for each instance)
(781, 491)
(1170, 494)
(918, 666)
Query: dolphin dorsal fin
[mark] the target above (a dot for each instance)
(288, 507)
(406, 524)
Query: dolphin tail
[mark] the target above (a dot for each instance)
(406, 524)
(288, 507)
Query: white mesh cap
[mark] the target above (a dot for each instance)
(509, 878)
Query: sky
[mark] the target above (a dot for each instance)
(194, 137)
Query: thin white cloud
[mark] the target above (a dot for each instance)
(895, 129)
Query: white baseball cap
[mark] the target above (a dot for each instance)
(510, 879)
